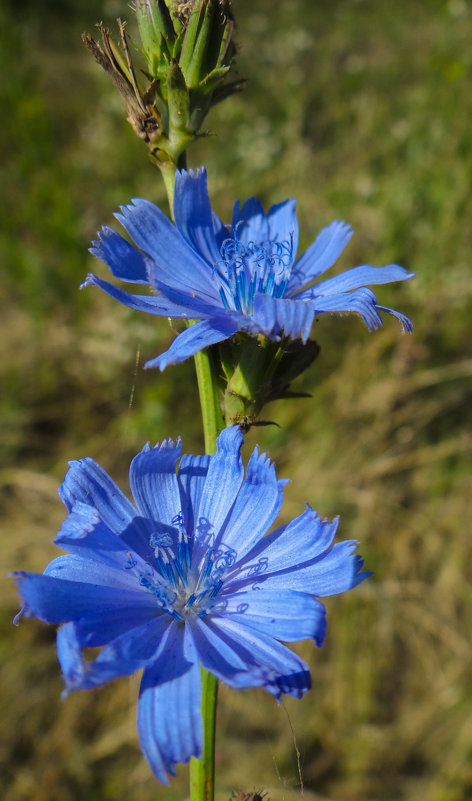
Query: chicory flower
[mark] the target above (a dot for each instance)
(187, 576)
(242, 277)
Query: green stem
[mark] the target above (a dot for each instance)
(212, 416)
(168, 170)
(202, 771)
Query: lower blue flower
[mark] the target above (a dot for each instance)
(186, 576)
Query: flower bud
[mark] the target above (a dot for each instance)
(258, 371)
(188, 51)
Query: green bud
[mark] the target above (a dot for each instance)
(187, 50)
(157, 33)
(196, 41)
(258, 370)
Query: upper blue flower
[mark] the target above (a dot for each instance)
(243, 277)
(186, 576)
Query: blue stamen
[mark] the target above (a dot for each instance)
(184, 555)
(178, 567)
(223, 299)
(269, 284)
(257, 267)
(208, 568)
(216, 588)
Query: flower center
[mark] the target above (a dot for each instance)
(255, 267)
(186, 576)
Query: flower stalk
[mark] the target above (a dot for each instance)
(202, 771)
(212, 416)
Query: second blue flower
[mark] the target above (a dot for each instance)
(242, 277)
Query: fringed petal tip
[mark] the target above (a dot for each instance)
(18, 616)
(405, 322)
(91, 278)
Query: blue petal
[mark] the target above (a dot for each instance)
(96, 629)
(175, 262)
(305, 538)
(125, 262)
(406, 323)
(220, 229)
(69, 654)
(293, 317)
(320, 256)
(280, 670)
(198, 304)
(193, 215)
(70, 567)
(336, 571)
(169, 717)
(362, 301)
(198, 336)
(90, 541)
(88, 483)
(160, 306)
(84, 532)
(124, 655)
(222, 644)
(222, 483)
(215, 653)
(57, 601)
(153, 481)
(283, 224)
(250, 223)
(256, 507)
(284, 614)
(192, 476)
(357, 277)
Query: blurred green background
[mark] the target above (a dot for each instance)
(362, 109)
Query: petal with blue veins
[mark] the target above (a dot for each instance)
(357, 277)
(256, 507)
(169, 718)
(161, 241)
(196, 337)
(320, 255)
(283, 614)
(151, 304)
(153, 481)
(56, 600)
(193, 214)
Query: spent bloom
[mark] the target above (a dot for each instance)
(239, 277)
(186, 576)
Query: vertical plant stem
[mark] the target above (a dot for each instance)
(168, 170)
(212, 416)
(202, 771)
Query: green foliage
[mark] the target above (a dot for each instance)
(360, 109)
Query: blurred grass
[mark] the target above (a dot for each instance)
(360, 109)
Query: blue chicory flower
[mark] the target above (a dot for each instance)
(242, 277)
(187, 576)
